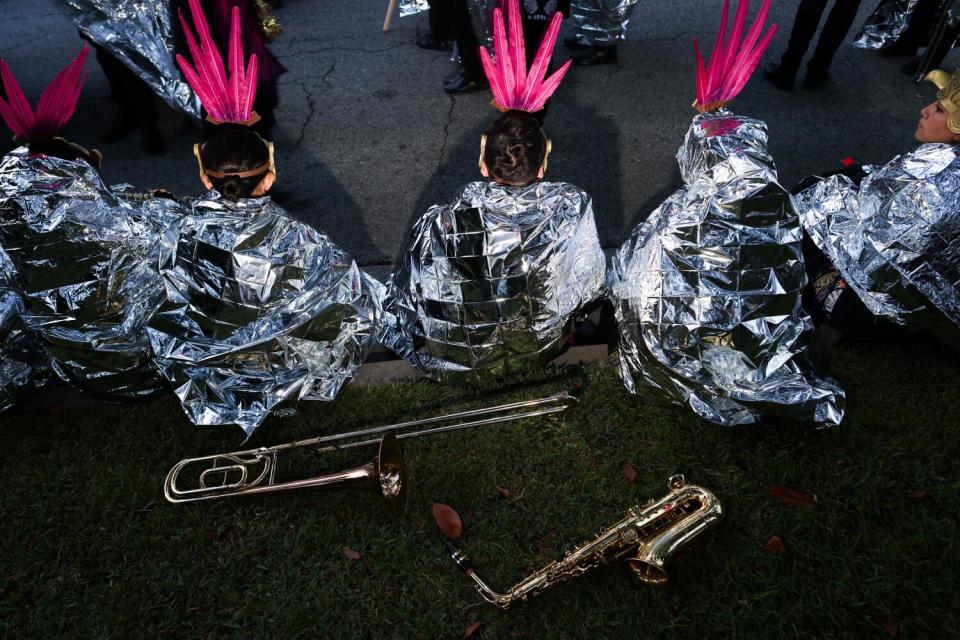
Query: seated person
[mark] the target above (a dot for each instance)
(883, 253)
(707, 289)
(259, 309)
(492, 282)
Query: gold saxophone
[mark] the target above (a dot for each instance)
(645, 539)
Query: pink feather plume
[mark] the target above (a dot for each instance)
(732, 62)
(513, 87)
(225, 99)
(55, 108)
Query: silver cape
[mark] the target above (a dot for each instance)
(896, 237)
(260, 309)
(138, 33)
(23, 364)
(491, 283)
(886, 24)
(601, 22)
(411, 7)
(707, 289)
(82, 266)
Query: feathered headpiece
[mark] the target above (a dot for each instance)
(225, 100)
(731, 62)
(56, 105)
(512, 86)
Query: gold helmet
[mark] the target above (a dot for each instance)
(949, 95)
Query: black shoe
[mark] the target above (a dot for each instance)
(571, 42)
(427, 41)
(120, 129)
(779, 78)
(815, 79)
(912, 67)
(898, 50)
(462, 84)
(595, 55)
(453, 75)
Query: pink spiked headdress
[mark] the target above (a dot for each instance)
(55, 108)
(226, 100)
(512, 86)
(732, 62)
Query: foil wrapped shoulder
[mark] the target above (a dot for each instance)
(139, 33)
(81, 262)
(896, 236)
(491, 283)
(602, 21)
(23, 363)
(707, 289)
(260, 310)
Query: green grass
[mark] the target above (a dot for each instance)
(91, 548)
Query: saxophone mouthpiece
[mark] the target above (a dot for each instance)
(459, 557)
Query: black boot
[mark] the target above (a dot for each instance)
(778, 77)
(572, 42)
(595, 55)
(815, 79)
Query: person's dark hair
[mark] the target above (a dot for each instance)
(515, 148)
(59, 148)
(234, 149)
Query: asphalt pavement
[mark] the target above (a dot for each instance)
(367, 140)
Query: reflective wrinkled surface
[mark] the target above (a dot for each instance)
(410, 7)
(491, 283)
(707, 289)
(885, 24)
(260, 309)
(23, 364)
(601, 21)
(139, 34)
(896, 238)
(82, 265)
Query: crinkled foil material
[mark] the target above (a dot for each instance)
(492, 283)
(260, 309)
(82, 266)
(601, 22)
(896, 237)
(138, 33)
(411, 7)
(707, 289)
(885, 25)
(23, 364)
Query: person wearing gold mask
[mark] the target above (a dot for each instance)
(883, 252)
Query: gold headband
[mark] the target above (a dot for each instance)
(948, 95)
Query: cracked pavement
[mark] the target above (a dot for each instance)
(366, 139)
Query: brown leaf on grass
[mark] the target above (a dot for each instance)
(630, 473)
(887, 623)
(593, 462)
(448, 520)
(775, 545)
(504, 492)
(471, 630)
(917, 494)
(790, 497)
(352, 554)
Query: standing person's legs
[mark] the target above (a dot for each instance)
(834, 31)
(441, 33)
(917, 31)
(134, 101)
(471, 78)
(804, 27)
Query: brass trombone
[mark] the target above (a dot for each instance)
(244, 473)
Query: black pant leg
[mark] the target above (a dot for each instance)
(804, 27)
(834, 31)
(466, 39)
(134, 99)
(921, 22)
(439, 18)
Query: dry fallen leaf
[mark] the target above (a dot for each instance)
(352, 554)
(790, 497)
(448, 520)
(504, 492)
(775, 545)
(471, 630)
(918, 494)
(887, 623)
(630, 473)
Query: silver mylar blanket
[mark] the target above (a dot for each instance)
(260, 309)
(139, 34)
(411, 7)
(82, 266)
(886, 24)
(707, 289)
(23, 364)
(601, 22)
(491, 283)
(896, 237)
